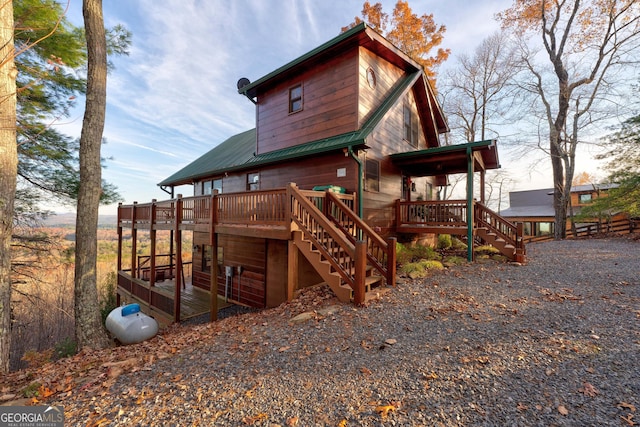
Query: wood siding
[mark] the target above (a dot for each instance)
(306, 173)
(329, 106)
(385, 140)
(387, 75)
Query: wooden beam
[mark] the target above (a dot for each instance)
(292, 268)
(470, 165)
(213, 241)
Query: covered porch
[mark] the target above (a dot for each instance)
(468, 217)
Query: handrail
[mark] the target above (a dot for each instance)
(508, 231)
(340, 252)
(437, 213)
(378, 251)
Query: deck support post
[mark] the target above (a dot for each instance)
(470, 225)
(152, 235)
(178, 240)
(134, 242)
(292, 268)
(213, 241)
(391, 261)
(361, 268)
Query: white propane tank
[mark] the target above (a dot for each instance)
(129, 325)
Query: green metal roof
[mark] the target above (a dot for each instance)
(238, 152)
(249, 90)
(448, 159)
(235, 151)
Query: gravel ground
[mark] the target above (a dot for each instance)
(554, 342)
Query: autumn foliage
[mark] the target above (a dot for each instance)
(417, 36)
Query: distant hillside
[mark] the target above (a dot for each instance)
(69, 219)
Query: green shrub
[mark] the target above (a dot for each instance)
(458, 244)
(450, 261)
(403, 254)
(444, 241)
(486, 250)
(424, 252)
(416, 270)
(65, 348)
(108, 299)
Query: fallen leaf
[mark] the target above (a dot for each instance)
(628, 406)
(390, 341)
(292, 422)
(588, 390)
(628, 419)
(283, 349)
(384, 410)
(342, 423)
(254, 419)
(521, 407)
(365, 371)
(563, 410)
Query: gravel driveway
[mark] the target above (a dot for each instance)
(555, 342)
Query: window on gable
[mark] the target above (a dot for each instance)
(372, 175)
(295, 99)
(253, 181)
(410, 125)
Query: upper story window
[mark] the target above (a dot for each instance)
(295, 99)
(584, 198)
(410, 126)
(253, 181)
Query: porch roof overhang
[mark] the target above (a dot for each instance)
(448, 159)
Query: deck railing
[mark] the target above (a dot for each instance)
(435, 213)
(262, 207)
(381, 254)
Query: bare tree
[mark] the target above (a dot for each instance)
(477, 95)
(8, 173)
(89, 329)
(573, 52)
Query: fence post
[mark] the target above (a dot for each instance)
(361, 268)
(391, 261)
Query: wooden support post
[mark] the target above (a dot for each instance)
(134, 241)
(361, 268)
(292, 269)
(152, 235)
(470, 224)
(178, 275)
(213, 241)
(391, 261)
(520, 251)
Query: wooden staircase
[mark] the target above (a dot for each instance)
(327, 269)
(496, 231)
(347, 254)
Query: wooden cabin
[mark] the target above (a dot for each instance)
(534, 210)
(345, 158)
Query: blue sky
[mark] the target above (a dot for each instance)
(174, 97)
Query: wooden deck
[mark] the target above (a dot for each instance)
(154, 300)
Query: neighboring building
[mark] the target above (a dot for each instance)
(534, 208)
(357, 117)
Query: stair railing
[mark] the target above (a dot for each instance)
(327, 239)
(380, 254)
(509, 232)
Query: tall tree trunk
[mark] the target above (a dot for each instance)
(8, 174)
(89, 329)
